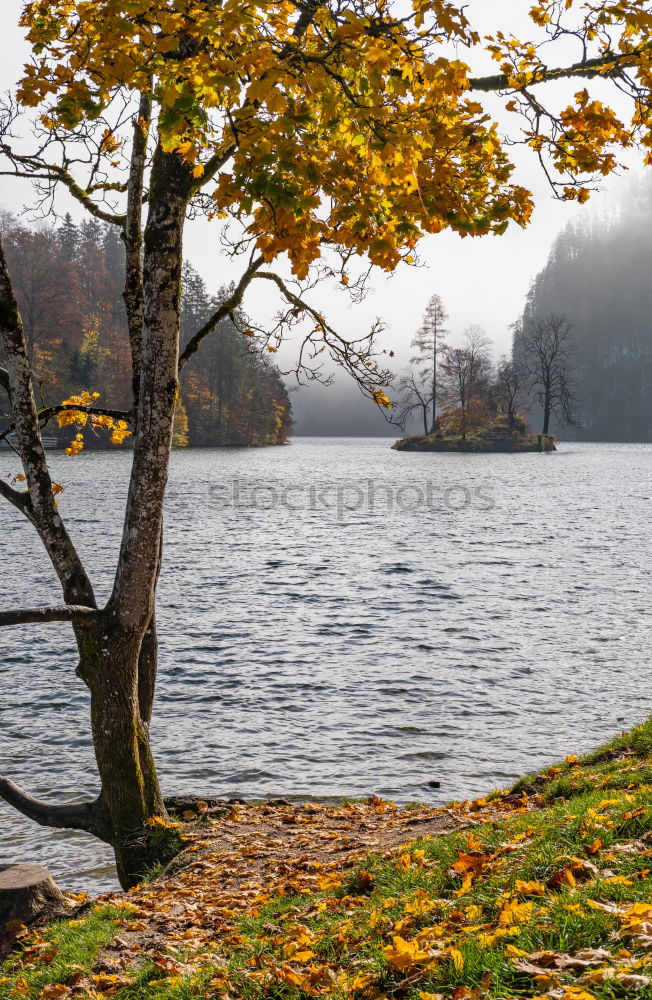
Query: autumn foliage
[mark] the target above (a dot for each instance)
(322, 138)
(69, 280)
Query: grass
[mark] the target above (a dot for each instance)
(64, 949)
(547, 892)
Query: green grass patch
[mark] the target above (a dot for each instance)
(69, 947)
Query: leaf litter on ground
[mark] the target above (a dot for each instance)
(539, 891)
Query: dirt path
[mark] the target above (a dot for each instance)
(237, 862)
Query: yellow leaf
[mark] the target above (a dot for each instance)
(458, 959)
(513, 952)
(529, 888)
(404, 954)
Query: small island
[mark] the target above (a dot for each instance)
(467, 403)
(494, 436)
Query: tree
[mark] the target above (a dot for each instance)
(414, 397)
(324, 133)
(466, 375)
(82, 343)
(508, 389)
(430, 342)
(544, 344)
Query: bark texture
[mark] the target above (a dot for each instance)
(132, 235)
(42, 509)
(119, 664)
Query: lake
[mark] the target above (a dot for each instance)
(339, 619)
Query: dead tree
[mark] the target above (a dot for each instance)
(544, 347)
(414, 398)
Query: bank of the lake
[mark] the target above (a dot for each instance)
(541, 889)
(337, 618)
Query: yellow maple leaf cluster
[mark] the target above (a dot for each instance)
(119, 429)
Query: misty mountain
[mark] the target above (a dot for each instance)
(598, 276)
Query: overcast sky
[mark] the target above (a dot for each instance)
(482, 280)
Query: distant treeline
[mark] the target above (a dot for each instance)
(598, 277)
(69, 281)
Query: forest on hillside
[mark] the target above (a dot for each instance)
(598, 277)
(69, 280)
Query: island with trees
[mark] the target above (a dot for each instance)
(467, 404)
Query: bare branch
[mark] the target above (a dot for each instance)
(34, 168)
(74, 613)
(67, 816)
(357, 356)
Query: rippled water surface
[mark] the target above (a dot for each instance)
(338, 618)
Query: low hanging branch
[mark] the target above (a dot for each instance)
(76, 614)
(355, 356)
(44, 416)
(67, 816)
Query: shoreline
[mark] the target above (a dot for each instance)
(543, 888)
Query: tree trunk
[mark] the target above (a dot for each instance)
(425, 420)
(130, 795)
(132, 236)
(546, 414)
(120, 663)
(434, 385)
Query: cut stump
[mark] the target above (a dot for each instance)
(28, 892)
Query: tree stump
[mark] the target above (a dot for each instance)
(28, 892)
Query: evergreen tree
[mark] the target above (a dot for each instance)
(430, 342)
(597, 276)
(68, 237)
